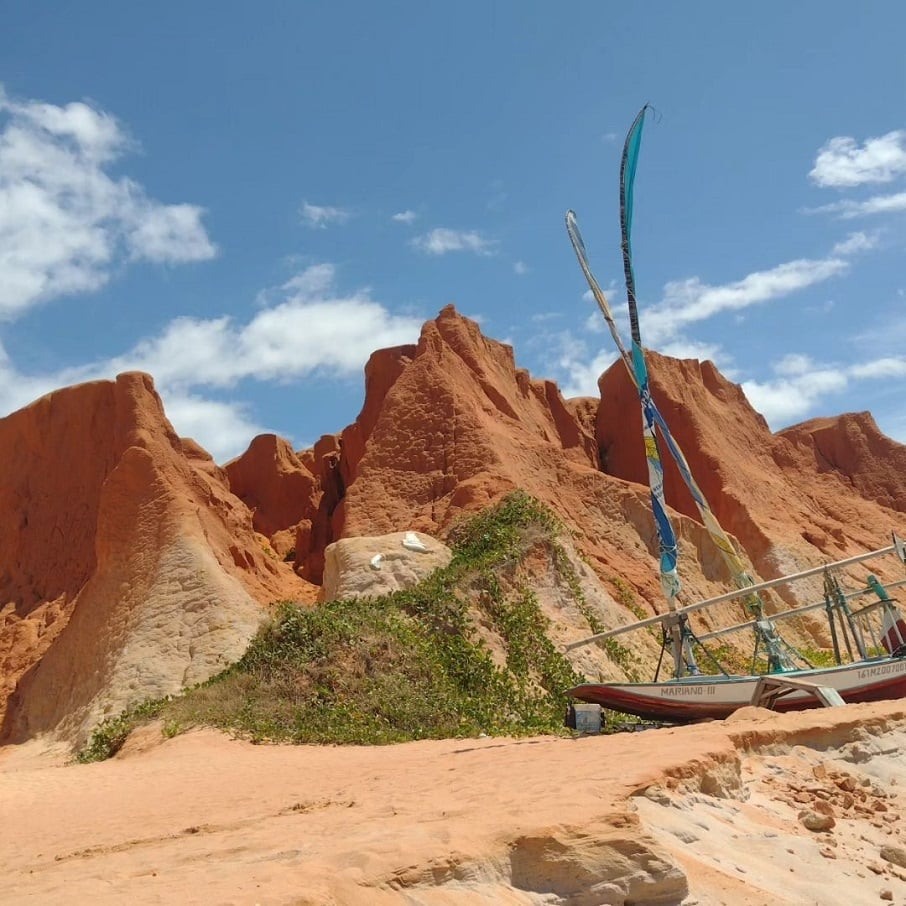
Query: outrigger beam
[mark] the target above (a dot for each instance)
(795, 612)
(898, 547)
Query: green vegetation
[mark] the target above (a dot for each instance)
(109, 736)
(626, 596)
(568, 575)
(818, 657)
(416, 664)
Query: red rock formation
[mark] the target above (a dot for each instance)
(276, 486)
(451, 413)
(128, 566)
(767, 490)
(852, 447)
(448, 427)
(451, 425)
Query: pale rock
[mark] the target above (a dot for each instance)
(815, 822)
(375, 566)
(129, 569)
(894, 854)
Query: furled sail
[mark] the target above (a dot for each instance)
(670, 582)
(651, 416)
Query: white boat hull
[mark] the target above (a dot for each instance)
(702, 697)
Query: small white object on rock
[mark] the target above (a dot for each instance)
(374, 566)
(413, 543)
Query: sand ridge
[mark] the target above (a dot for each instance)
(685, 815)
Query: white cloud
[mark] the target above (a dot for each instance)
(582, 377)
(305, 327)
(689, 301)
(222, 428)
(406, 216)
(793, 364)
(877, 204)
(843, 162)
(578, 368)
(682, 348)
(520, 268)
(801, 384)
(319, 217)
(686, 302)
(312, 282)
(855, 243)
(790, 397)
(170, 234)
(17, 390)
(65, 223)
(880, 368)
(595, 323)
(441, 240)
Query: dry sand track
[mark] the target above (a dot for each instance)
(706, 814)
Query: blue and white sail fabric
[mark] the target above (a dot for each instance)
(653, 423)
(670, 582)
(638, 370)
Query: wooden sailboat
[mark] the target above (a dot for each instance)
(869, 672)
(691, 696)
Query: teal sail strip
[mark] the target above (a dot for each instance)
(670, 582)
(628, 165)
(652, 418)
(638, 371)
(666, 536)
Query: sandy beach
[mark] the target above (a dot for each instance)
(706, 814)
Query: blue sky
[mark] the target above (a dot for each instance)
(246, 201)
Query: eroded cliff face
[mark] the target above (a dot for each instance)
(787, 508)
(128, 570)
(133, 564)
(449, 425)
(852, 448)
(455, 427)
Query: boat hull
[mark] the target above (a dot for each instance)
(714, 697)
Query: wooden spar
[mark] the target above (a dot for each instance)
(795, 612)
(896, 547)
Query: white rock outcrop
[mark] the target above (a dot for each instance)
(373, 566)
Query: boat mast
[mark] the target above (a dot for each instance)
(777, 650)
(675, 626)
(683, 658)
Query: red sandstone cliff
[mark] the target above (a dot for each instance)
(852, 448)
(127, 564)
(133, 564)
(788, 509)
(449, 425)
